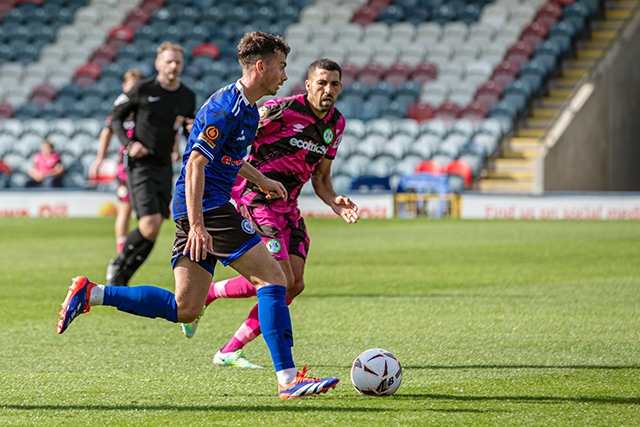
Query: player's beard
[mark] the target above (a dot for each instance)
(325, 104)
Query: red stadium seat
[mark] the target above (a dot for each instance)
(563, 3)
(522, 48)
(4, 8)
(365, 15)
(491, 86)
(155, 3)
(6, 110)
(43, 94)
(448, 111)
(430, 166)
(503, 79)
(531, 38)
(137, 18)
(398, 73)
(517, 58)
(420, 111)
(424, 72)
(548, 21)
(89, 69)
(506, 67)
(536, 28)
(371, 73)
(122, 32)
(46, 90)
(477, 110)
(349, 70)
(462, 169)
(151, 6)
(103, 55)
(487, 98)
(207, 49)
(550, 9)
(87, 74)
(380, 4)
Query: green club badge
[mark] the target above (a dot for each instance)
(327, 135)
(273, 246)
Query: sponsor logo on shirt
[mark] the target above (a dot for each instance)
(308, 145)
(337, 142)
(263, 113)
(153, 99)
(228, 161)
(209, 135)
(273, 246)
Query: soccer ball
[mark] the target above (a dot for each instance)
(376, 372)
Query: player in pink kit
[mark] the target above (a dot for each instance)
(297, 140)
(123, 215)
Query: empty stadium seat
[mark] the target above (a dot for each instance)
(448, 111)
(460, 168)
(476, 110)
(534, 73)
(506, 113)
(435, 127)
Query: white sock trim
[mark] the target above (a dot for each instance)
(286, 376)
(97, 295)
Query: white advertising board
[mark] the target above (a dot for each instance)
(605, 206)
(92, 204)
(369, 206)
(57, 204)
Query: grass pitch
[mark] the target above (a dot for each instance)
(495, 323)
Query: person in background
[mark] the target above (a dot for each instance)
(125, 209)
(5, 174)
(162, 105)
(47, 170)
(123, 215)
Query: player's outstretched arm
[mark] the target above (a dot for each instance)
(273, 189)
(341, 205)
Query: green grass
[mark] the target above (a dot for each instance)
(495, 323)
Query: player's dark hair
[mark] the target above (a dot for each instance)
(257, 45)
(324, 64)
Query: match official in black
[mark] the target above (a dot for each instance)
(162, 106)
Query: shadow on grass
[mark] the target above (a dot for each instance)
(587, 367)
(194, 408)
(420, 295)
(606, 400)
(252, 408)
(467, 367)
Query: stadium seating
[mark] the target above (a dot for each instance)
(429, 63)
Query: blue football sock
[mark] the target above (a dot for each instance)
(275, 324)
(147, 301)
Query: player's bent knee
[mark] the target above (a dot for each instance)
(185, 316)
(295, 289)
